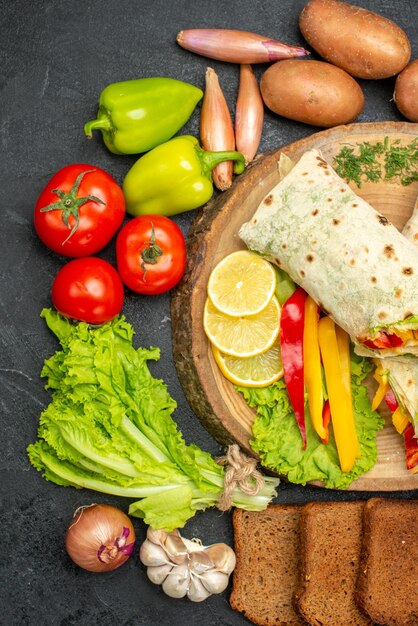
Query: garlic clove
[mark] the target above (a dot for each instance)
(175, 548)
(177, 583)
(200, 562)
(156, 536)
(152, 555)
(214, 581)
(222, 556)
(197, 591)
(193, 545)
(159, 573)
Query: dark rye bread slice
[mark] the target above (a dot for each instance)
(330, 534)
(387, 587)
(267, 549)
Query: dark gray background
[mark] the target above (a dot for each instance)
(55, 58)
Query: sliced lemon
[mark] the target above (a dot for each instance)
(242, 284)
(242, 336)
(256, 371)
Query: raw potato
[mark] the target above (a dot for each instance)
(313, 92)
(406, 91)
(361, 42)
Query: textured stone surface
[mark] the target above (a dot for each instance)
(56, 57)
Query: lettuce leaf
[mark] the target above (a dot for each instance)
(276, 437)
(109, 428)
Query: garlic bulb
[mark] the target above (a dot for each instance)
(185, 567)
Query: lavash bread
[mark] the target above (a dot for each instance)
(330, 534)
(356, 265)
(403, 373)
(267, 548)
(388, 580)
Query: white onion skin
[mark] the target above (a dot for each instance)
(216, 129)
(249, 114)
(93, 527)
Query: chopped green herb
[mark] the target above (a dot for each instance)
(383, 160)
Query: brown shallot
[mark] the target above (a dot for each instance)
(249, 114)
(216, 129)
(236, 46)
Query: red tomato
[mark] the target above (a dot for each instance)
(151, 254)
(89, 290)
(79, 211)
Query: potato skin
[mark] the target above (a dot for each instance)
(313, 92)
(406, 91)
(362, 43)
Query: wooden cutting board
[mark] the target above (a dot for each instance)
(214, 234)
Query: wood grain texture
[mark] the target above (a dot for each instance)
(214, 234)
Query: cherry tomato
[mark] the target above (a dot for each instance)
(89, 290)
(79, 210)
(151, 254)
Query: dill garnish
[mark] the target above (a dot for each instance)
(383, 160)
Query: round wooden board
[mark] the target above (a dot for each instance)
(214, 234)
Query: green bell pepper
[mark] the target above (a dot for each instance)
(174, 177)
(136, 115)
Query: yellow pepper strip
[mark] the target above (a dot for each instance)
(343, 343)
(312, 366)
(382, 390)
(381, 377)
(379, 373)
(340, 402)
(399, 420)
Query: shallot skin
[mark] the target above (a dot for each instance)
(249, 114)
(216, 128)
(236, 46)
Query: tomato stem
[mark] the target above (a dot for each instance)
(151, 253)
(70, 204)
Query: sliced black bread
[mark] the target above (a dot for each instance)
(387, 588)
(330, 534)
(267, 549)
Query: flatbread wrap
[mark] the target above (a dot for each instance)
(402, 373)
(349, 258)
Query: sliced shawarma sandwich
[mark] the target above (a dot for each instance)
(349, 258)
(344, 253)
(398, 381)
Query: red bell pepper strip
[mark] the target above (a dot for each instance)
(383, 340)
(411, 449)
(391, 401)
(326, 418)
(291, 346)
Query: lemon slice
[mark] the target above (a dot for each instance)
(256, 371)
(242, 284)
(242, 336)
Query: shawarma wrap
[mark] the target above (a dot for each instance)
(402, 373)
(351, 260)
